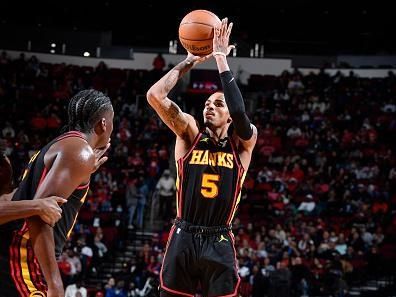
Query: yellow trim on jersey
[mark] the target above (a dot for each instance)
(239, 196)
(85, 196)
(75, 219)
(34, 157)
(25, 172)
(24, 266)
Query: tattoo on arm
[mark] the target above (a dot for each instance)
(173, 76)
(173, 117)
(171, 81)
(173, 112)
(169, 111)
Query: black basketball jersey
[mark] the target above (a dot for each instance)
(32, 177)
(209, 182)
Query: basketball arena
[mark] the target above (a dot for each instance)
(311, 188)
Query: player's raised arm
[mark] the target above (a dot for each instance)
(244, 130)
(181, 123)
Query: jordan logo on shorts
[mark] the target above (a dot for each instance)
(222, 238)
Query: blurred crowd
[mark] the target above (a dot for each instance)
(317, 213)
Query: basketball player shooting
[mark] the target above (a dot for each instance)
(211, 163)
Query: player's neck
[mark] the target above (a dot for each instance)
(218, 133)
(92, 139)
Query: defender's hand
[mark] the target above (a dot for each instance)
(50, 211)
(99, 159)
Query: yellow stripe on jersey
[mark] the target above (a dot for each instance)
(34, 157)
(24, 264)
(239, 196)
(75, 219)
(25, 172)
(85, 196)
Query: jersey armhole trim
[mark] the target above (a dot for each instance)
(191, 148)
(83, 186)
(235, 153)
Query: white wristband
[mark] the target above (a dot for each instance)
(219, 53)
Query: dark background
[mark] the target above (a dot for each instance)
(283, 26)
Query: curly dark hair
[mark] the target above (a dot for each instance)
(86, 108)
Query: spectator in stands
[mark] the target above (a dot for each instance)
(85, 253)
(101, 69)
(294, 132)
(159, 63)
(33, 66)
(8, 131)
(158, 67)
(110, 284)
(66, 268)
(76, 289)
(154, 266)
(75, 262)
(166, 191)
(117, 291)
(308, 204)
(142, 194)
(99, 249)
(131, 200)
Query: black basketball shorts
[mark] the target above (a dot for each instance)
(199, 260)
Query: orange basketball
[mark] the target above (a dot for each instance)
(196, 31)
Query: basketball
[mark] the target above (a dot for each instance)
(196, 31)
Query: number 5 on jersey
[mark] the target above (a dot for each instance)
(209, 188)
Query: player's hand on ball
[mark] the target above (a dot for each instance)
(194, 60)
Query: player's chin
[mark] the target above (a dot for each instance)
(103, 144)
(208, 121)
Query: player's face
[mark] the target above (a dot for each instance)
(107, 126)
(216, 111)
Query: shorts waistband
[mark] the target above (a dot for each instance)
(188, 227)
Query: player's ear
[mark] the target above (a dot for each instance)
(101, 126)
